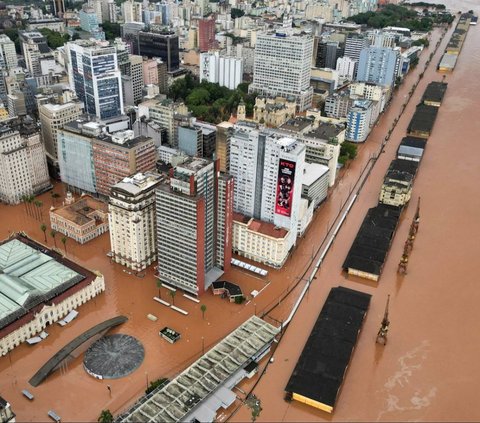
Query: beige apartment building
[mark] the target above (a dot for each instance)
(259, 241)
(132, 220)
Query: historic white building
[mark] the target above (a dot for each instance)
(38, 287)
(132, 221)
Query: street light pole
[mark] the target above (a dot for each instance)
(146, 376)
(203, 345)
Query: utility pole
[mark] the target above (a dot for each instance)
(383, 331)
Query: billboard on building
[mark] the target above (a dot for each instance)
(285, 180)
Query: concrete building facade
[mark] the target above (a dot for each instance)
(283, 67)
(132, 220)
(23, 165)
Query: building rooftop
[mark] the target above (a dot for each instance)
(326, 131)
(435, 92)
(297, 124)
(423, 119)
(264, 228)
(322, 366)
(372, 243)
(84, 210)
(135, 184)
(186, 393)
(30, 275)
(313, 172)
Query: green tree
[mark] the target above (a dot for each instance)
(43, 228)
(172, 294)
(39, 211)
(203, 308)
(54, 38)
(64, 242)
(53, 233)
(156, 383)
(255, 406)
(111, 29)
(236, 13)
(106, 416)
(55, 196)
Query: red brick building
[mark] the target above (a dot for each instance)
(206, 34)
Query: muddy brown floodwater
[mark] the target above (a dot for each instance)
(428, 371)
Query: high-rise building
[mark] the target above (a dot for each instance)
(206, 34)
(379, 38)
(227, 71)
(6, 412)
(89, 21)
(58, 8)
(8, 53)
(358, 121)
(346, 68)
(267, 167)
(190, 141)
(150, 71)
(120, 155)
(94, 76)
(132, 221)
(53, 117)
(222, 147)
(328, 54)
(378, 65)
(23, 166)
(354, 44)
(283, 67)
(162, 44)
(188, 223)
(163, 114)
(132, 81)
(34, 46)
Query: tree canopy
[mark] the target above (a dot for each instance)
(112, 30)
(55, 39)
(210, 102)
(236, 13)
(393, 15)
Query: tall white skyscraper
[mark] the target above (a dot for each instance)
(227, 71)
(267, 167)
(282, 66)
(94, 76)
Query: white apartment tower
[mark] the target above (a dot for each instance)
(267, 168)
(23, 165)
(132, 221)
(227, 71)
(282, 66)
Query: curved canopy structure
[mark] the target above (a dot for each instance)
(61, 355)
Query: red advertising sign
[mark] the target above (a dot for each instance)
(286, 177)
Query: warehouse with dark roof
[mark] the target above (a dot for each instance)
(369, 250)
(321, 368)
(422, 121)
(434, 93)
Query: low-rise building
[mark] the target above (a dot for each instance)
(260, 241)
(39, 287)
(6, 413)
(273, 111)
(315, 183)
(133, 221)
(398, 183)
(82, 220)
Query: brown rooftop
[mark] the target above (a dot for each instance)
(264, 228)
(82, 210)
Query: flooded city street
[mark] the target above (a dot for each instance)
(428, 370)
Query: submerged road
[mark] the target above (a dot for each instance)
(425, 372)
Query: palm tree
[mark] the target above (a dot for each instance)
(172, 294)
(52, 234)
(55, 195)
(38, 204)
(43, 228)
(203, 307)
(106, 416)
(64, 242)
(28, 202)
